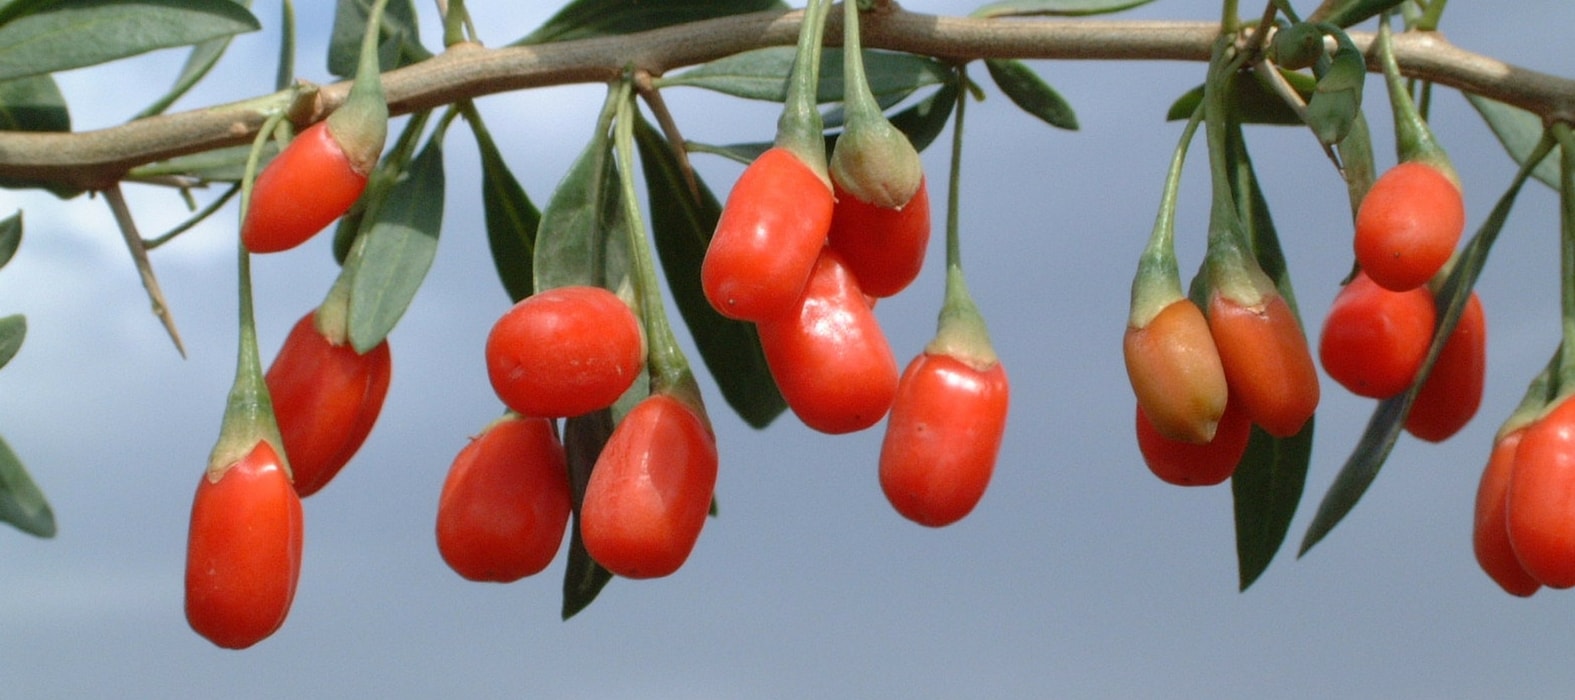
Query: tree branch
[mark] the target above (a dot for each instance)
(97, 159)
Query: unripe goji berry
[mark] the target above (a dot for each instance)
(565, 352)
(943, 437)
(1407, 225)
(1195, 464)
(884, 247)
(302, 190)
(829, 356)
(1452, 392)
(771, 230)
(1267, 365)
(1375, 339)
(649, 493)
(505, 503)
(1489, 532)
(1540, 501)
(1176, 373)
(243, 552)
(326, 397)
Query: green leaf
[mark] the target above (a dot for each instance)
(762, 74)
(511, 218)
(583, 236)
(1026, 90)
(88, 32)
(583, 439)
(202, 59)
(682, 227)
(400, 36)
(21, 502)
(1265, 490)
(1348, 12)
(590, 18)
(226, 164)
(926, 120)
(1383, 429)
(1519, 131)
(400, 246)
(1251, 101)
(1063, 8)
(13, 329)
(12, 9)
(10, 236)
(1337, 100)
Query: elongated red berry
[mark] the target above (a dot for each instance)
(771, 230)
(243, 552)
(884, 247)
(1452, 392)
(1540, 501)
(1195, 464)
(829, 356)
(943, 437)
(505, 503)
(565, 352)
(650, 490)
(1489, 532)
(327, 398)
(1175, 371)
(1407, 225)
(1374, 339)
(1267, 364)
(307, 186)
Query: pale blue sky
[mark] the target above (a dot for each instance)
(1079, 575)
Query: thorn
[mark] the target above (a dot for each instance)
(139, 255)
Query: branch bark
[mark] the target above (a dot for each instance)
(97, 159)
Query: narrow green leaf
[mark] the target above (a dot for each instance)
(1337, 100)
(583, 236)
(583, 439)
(682, 227)
(926, 120)
(762, 74)
(1519, 131)
(21, 502)
(1251, 102)
(400, 36)
(401, 244)
(88, 32)
(218, 165)
(10, 236)
(511, 217)
(583, 19)
(1062, 8)
(1344, 13)
(392, 168)
(1383, 429)
(1026, 90)
(13, 329)
(1268, 483)
(1265, 491)
(12, 9)
(202, 59)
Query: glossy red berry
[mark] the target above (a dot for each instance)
(302, 190)
(565, 352)
(1489, 533)
(1407, 225)
(943, 437)
(771, 230)
(1175, 372)
(1452, 392)
(326, 398)
(829, 356)
(243, 554)
(1192, 464)
(1267, 364)
(1374, 339)
(884, 247)
(505, 503)
(1540, 501)
(650, 490)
